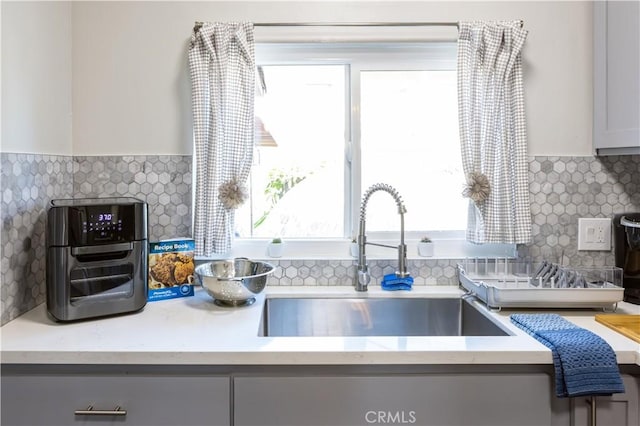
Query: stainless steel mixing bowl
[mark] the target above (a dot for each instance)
(234, 282)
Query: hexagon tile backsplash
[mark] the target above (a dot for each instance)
(163, 181)
(562, 190)
(29, 182)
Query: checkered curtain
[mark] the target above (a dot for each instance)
(222, 68)
(493, 131)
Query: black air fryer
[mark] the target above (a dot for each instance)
(626, 239)
(97, 254)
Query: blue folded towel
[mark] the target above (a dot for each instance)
(584, 363)
(394, 282)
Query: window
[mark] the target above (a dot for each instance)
(297, 179)
(338, 117)
(409, 139)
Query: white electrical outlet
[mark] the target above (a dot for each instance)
(594, 234)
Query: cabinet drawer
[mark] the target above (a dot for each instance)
(434, 399)
(52, 400)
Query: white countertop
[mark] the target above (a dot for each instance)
(194, 331)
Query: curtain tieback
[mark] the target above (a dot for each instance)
(477, 188)
(232, 194)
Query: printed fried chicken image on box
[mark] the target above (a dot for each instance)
(170, 270)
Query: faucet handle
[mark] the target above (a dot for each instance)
(363, 280)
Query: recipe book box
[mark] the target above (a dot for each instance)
(171, 269)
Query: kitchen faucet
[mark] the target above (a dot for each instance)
(363, 276)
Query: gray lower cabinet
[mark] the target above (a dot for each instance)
(288, 397)
(431, 399)
(615, 410)
(60, 400)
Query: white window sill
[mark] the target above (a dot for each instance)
(339, 249)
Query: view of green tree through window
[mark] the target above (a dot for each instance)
(297, 183)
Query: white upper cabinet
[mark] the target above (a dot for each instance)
(616, 77)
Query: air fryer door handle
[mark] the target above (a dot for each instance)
(101, 249)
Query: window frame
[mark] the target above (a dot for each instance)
(385, 56)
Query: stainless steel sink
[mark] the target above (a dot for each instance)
(375, 317)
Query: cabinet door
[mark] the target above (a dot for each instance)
(616, 77)
(434, 399)
(615, 410)
(51, 400)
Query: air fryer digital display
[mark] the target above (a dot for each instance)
(101, 224)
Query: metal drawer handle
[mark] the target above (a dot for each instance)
(592, 405)
(89, 411)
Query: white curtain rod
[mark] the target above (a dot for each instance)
(199, 24)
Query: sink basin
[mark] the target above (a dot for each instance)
(375, 317)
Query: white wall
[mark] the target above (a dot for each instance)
(131, 89)
(36, 77)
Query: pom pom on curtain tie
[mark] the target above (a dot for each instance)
(232, 194)
(477, 188)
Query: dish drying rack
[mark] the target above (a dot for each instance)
(511, 283)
